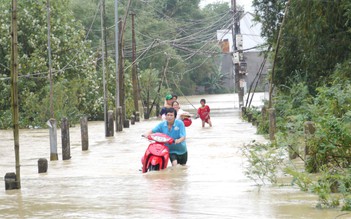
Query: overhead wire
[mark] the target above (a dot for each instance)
(192, 39)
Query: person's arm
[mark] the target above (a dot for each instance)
(179, 140)
(147, 133)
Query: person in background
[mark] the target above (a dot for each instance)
(168, 104)
(181, 114)
(204, 113)
(178, 152)
(174, 97)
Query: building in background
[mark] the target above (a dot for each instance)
(253, 46)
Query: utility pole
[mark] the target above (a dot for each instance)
(233, 46)
(52, 121)
(50, 64)
(134, 68)
(102, 5)
(14, 91)
(239, 64)
(121, 72)
(117, 66)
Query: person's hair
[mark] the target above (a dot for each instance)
(171, 110)
(175, 95)
(203, 100)
(175, 102)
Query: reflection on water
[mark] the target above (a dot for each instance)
(105, 182)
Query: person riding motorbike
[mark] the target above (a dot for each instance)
(174, 128)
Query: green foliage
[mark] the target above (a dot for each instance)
(324, 187)
(72, 63)
(312, 83)
(301, 179)
(326, 166)
(258, 118)
(214, 84)
(152, 94)
(263, 161)
(270, 14)
(315, 37)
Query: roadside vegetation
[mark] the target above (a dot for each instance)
(312, 83)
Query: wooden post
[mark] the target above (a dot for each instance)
(66, 146)
(132, 120)
(84, 133)
(249, 117)
(126, 123)
(146, 114)
(264, 113)
(309, 130)
(272, 123)
(53, 139)
(110, 130)
(10, 181)
(119, 116)
(42, 165)
(254, 121)
(137, 116)
(243, 111)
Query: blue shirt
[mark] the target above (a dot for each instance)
(177, 131)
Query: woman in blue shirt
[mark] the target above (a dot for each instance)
(174, 128)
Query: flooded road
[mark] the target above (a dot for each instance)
(105, 181)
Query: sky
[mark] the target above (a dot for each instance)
(245, 3)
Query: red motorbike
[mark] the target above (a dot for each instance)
(157, 154)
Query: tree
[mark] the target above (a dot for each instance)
(315, 38)
(71, 61)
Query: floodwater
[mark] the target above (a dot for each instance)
(105, 181)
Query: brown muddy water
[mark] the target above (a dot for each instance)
(105, 181)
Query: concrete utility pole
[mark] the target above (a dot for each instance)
(121, 74)
(233, 46)
(14, 92)
(134, 68)
(116, 60)
(238, 56)
(49, 57)
(102, 9)
(52, 121)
